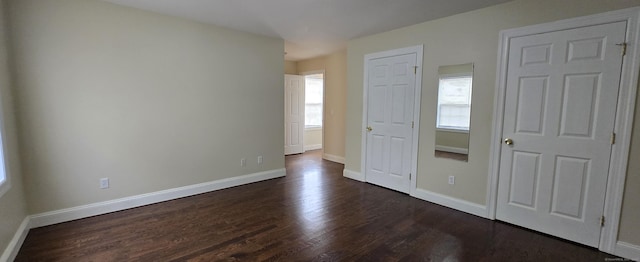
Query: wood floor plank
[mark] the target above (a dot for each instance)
(312, 214)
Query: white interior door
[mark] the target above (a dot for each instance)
(560, 106)
(390, 87)
(293, 114)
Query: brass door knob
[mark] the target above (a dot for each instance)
(369, 129)
(508, 141)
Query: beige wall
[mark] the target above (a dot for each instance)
(13, 205)
(153, 102)
(335, 66)
(452, 139)
(470, 37)
(313, 64)
(312, 137)
(290, 67)
(629, 226)
(455, 69)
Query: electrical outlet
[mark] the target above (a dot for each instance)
(243, 162)
(452, 180)
(259, 160)
(104, 183)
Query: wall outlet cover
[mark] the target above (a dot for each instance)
(104, 183)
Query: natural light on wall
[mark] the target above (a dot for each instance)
(454, 102)
(313, 85)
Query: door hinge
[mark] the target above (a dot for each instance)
(624, 48)
(409, 176)
(602, 221)
(415, 70)
(613, 138)
(412, 124)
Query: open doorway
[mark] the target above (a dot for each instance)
(313, 110)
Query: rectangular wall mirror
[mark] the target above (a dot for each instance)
(455, 83)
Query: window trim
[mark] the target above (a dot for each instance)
(324, 99)
(453, 130)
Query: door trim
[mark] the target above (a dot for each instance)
(624, 113)
(418, 50)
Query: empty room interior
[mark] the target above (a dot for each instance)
(179, 130)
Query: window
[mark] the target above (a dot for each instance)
(313, 91)
(4, 180)
(454, 102)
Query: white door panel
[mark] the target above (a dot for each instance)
(294, 114)
(390, 104)
(560, 106)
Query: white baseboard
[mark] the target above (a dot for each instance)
(450, 202)
(333, 158)
(15, 244)
(457, 150)
(627, 250)
(353, 175)
(312, 147)
(68, 214)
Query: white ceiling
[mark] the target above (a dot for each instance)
(310, 28)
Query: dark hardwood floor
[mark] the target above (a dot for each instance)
(313, 214)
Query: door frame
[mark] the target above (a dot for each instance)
(418, 50)
(623, 119)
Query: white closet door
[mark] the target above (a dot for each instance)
(294, 114)
(560, 107)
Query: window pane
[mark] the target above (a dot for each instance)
(313, 115)
(454, 102)
(454, 116)
(313, 100)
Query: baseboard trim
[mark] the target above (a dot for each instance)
(333, 158)
(627, 250)
(450, 202)
(68, 214)
(312, 147)
(15, 244)
(353, 175)
(457, 150)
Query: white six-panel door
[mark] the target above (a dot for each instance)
(560, 106)
(293, 114)
(390, 105)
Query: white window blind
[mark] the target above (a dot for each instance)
(454, 102)
(313, 101)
